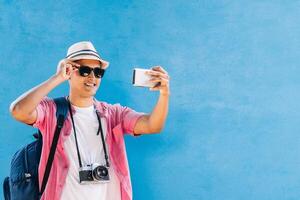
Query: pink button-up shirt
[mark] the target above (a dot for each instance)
(119, 120)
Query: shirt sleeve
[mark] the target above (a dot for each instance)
(128, 118)
(42, 109)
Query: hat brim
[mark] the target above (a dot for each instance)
(104, 63)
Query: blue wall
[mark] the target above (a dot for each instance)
(233, 126)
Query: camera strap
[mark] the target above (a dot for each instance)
(99, 130)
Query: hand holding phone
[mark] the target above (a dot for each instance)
(141, 79)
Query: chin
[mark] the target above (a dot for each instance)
(90, 93)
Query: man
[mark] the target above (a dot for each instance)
(80, 143)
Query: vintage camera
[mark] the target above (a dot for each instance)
(93, 173)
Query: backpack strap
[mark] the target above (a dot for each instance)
(6, 189)
(61, 114)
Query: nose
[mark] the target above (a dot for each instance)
(92, 74)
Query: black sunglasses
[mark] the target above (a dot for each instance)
(86, 70)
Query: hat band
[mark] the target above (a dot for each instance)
(86, 50)
(80, 54)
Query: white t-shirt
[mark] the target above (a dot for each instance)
(91, 151)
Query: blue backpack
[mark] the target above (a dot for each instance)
(22, 184)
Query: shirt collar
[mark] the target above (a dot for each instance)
(101, 107)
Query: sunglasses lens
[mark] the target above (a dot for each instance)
(84, 71)
(98, 72)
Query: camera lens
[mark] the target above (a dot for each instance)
(100, 172)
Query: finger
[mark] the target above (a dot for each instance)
(72, 63)
(157, 74)
(160, 76)
(156, 88)
(73, 70)
(159, 68)
(68, 65)
(75, 64)
(161, 80)
(71, 67)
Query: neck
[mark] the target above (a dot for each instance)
(80, 101)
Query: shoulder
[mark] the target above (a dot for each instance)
(47, 102)
(47, 99)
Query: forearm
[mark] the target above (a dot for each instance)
(27, 102)
(159, 114)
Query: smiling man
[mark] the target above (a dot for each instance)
(91, 139)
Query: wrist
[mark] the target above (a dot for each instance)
(164, 93)
(56, 79)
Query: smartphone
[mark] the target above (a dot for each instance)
(141, 79)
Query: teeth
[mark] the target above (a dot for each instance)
(89, 84)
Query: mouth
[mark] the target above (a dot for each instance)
(90, 85)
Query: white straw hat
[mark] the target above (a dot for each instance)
(85, 50)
